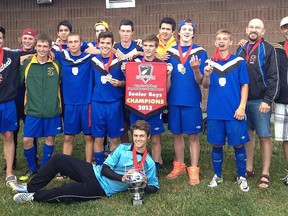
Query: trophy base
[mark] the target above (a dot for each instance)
(137, 202)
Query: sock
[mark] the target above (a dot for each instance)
(99, 157)
(217, 160)
(240, 158)
(47, 153)
(30, 157)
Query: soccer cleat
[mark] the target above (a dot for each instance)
(215, 181)
(193, 173)
(28, 175)
(285, 179)
(23, 197)
(20, 188)
(243, 184)
(178, 169)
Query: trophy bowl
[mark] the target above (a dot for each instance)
(136, 181)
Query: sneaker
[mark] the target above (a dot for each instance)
(243, 184)
(178, 169)
(11, 181)
(215, 181)
(285, 179)
(23, 197)
(20, 188)
(193, 173)
(28, 175)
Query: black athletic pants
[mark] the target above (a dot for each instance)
(86, 186)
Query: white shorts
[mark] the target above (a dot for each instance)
(281, 122)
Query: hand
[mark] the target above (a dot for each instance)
(139, 42)
(242, 42)
(264, 107)
(51, 55)
(195, 62)
(115, 82)
(169, 69)
(123, 68)
(165, 57)
(126, 176)
(118, 54)
(239, 114)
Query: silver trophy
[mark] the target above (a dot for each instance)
(136, 182)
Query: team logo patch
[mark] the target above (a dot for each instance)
(50, 71)
(145, 73)
(75, 71)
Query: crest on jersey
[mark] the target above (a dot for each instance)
(50, 71)
(145, 73)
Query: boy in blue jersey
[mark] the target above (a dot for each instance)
(107, 107)
(91, 181)
(184, 99)
(227, 78)
(42, 103)
(77, 91)
(150, 44)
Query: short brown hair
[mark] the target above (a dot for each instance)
(224, 31)
(141, 125)
(151, 37)
(44, 37)
(75, 34)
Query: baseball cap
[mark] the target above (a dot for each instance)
(182, 23)
(102, 23)
(2, 30)
(29, 31)
(284, 21)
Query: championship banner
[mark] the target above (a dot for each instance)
(145, 87)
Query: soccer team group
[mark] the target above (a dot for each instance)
(82, 85)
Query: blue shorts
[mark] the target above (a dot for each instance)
(155, 122)
(185, 120)
(8, 116)
(42, 127)
(77, 118)
(107, 118)
(256, 121)
(235, 131)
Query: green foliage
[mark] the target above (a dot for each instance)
(176, 197)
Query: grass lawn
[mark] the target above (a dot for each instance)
(176, 197)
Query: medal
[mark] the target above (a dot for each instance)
(181, 69)
(108, 77)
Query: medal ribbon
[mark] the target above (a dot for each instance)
(136, 164)
(60, 47)
(184, 59)
(252, 49)
(1, 56)
(286, 47)
(109, 62)
(216, 56)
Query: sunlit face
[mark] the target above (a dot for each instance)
(255, 30)
(186, 33)
(166, 31)
(99, 29)
(42, 49)
(27, 42)
(284, 31)
(1, 39)
(74, 44)
(63, 32)
(140, 139)
(223, 41)
(105, 45)
(149, 49)
(126, 33)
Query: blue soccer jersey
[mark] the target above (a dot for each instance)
(121, 161)
(225, 87)
(103, 90)
(127, 51)
(184, 90)
(76, 77)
